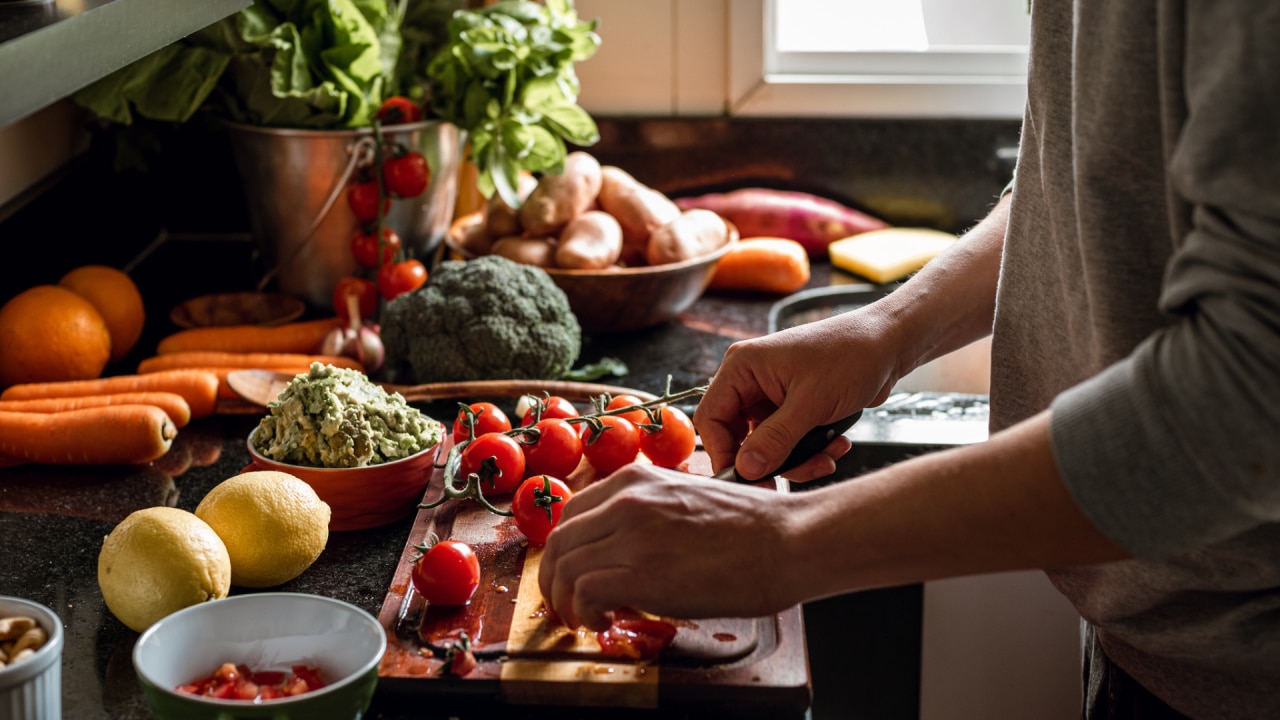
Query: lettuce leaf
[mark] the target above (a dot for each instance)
(283, 63)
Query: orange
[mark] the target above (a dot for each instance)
(117, 300)
(49, 333)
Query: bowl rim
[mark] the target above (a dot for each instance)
(328, 689)
(714, 255)
(294, 308)
(259, 457)
(45, 655)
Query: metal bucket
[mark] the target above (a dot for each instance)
(290, 175)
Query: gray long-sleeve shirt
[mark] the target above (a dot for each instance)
(1140, 299)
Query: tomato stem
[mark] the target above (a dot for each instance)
(472, 488)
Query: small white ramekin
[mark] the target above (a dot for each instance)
(32, 689)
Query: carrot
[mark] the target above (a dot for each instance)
(115, 435)
(810, 220)
(199, 389)
(763, 264)
(171, 403)
(264, 361)
(224, 391)
(298, 337)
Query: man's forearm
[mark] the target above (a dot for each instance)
(951, 301)
(991, 507)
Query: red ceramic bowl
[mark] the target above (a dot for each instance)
(364, 497)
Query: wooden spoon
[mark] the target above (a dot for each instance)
(262, 386)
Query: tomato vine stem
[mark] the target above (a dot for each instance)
(471, 488)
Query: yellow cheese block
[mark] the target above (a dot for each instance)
(890, 254)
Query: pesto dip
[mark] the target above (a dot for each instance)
(336, 418)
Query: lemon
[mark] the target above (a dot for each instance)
(160, 560)
(274, 526)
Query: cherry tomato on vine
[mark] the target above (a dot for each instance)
(614, 445)
(398, 109)
(406, 175)
(671, 444)
(636, 638)
(448, 573)
(552, 407)
(363, 199)
(497, 459)
(365, 292)
(489, 418)
(537, 506)
(364, 247)
(556, 450)
(637, 417)
(396, 279)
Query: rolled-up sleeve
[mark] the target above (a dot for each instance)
(1178, 445)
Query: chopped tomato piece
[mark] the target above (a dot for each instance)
(238, 682)
(636, 638)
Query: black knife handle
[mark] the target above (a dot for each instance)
(810, 444)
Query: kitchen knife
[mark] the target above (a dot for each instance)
(810, 444)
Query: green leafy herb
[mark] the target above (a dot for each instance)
(506, 76)
(609, 366)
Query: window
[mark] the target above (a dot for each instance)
(937, 58)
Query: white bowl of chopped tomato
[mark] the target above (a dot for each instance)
(263, 655)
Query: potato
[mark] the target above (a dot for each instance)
(591, 241)
(539, 251)
(500, 219)
(560, 198)
(638, 208)
(694, 234)
(474, 239)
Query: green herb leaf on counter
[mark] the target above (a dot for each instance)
(605, 367)
(507, 77)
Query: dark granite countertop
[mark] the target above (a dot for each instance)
(53, 519)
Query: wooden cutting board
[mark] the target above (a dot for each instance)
(525, 657)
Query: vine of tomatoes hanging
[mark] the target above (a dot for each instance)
(397, 172)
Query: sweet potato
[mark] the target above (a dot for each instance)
(694, 234)
(537, 251)
(560, 198)
(814, 222)
(638, 208)
(500, 219)
(764, 264)
(591, 241)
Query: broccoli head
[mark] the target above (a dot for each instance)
(483, 319)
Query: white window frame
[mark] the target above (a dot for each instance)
(756, 89)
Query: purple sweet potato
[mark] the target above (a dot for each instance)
(812, 221)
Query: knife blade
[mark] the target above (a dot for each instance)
(809, 445)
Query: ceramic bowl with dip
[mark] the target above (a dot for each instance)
(366, 452)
